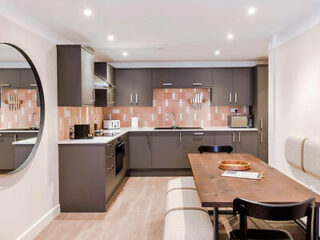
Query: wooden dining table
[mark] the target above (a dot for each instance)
(216, 191)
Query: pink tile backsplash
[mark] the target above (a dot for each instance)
(68, 116)
(165, 101)
(22, 117)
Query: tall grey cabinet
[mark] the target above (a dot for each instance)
(75, 64)
(260, 109)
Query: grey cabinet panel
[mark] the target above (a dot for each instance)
(242, 86)
(222, 93)
(10, 78)
(225, 139)
(27, 79)
(87, 77)
(140, 150)
(261, 109)
(124, 87)
(162, 78)
(195, 77)
(7, 161)
(247, 142)
(142, 87)
(192, 140)
(167, 151)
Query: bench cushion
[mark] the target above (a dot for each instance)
(188, 225)
(183, 199)
(181, 183)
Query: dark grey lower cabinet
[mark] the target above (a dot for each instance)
(87, 176)
(167, 150)
(192, 140)
(140, 150)
(226, 138)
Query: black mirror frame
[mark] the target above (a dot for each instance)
(42, 110)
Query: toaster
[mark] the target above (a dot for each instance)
(111, 124)
(238, 121)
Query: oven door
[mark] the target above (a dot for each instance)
(120, 154)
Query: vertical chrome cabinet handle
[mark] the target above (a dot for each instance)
(261, 123)
(137, 98)
(230, 98)
(236, 97)
(233, 137)
(239, 137)
(14, 137)
(180, 138)
(131, 99)
(261, 137)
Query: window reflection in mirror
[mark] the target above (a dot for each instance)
(20, 111)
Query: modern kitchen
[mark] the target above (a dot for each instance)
(111, 129)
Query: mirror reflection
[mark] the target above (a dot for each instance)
(19, 109)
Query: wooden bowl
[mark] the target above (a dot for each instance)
(235, 165)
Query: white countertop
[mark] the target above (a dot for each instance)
(17, 131)
(29, 141)
(104, 140)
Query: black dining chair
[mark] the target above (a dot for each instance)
(215, 149)
(272, 212)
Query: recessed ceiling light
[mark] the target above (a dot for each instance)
(217, 52)
(125, 54)
(230, 36)
(251, 10)
(110, 37)
(87, 12)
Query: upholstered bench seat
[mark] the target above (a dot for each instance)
(188, 225)
(183, 199)
(181, 183)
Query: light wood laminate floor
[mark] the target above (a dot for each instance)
(136, 213)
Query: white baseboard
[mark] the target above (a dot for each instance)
(36, 228)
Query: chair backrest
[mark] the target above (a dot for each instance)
(215, 149)
(274, 212)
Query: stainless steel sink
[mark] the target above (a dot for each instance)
(177, 128)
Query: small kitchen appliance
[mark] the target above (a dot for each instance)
(81, 131)
(134, 122)
(111, 124)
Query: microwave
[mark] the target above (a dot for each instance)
(111, 124)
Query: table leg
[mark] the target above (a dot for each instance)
(316, 224)
(216, 223)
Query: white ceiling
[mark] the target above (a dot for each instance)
(190, 30)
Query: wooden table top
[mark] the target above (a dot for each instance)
(217, 191)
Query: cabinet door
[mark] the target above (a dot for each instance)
(10, 78)
(142, 87)
(192, 140)
(140, 150)
(167, 151)
(7, 151)
(247, 142)
(225, 139)
(87, 77)
(195, 77)
(162, 78)
(124, 87)
(25, 135)
(243, 87)
(222, 92)
(28, 80)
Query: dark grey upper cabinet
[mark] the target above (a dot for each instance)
(133, 87)
(75, 66)
(222, 92)
(242, 86)
(124, 87)
(181, 78)
(167, 150)
(27, 79)
(10, 78)
(232, 86)
(142, 88)
(140, 150)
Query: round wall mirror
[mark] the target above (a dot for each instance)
(21, 109)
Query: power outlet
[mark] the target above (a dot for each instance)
(233, 110)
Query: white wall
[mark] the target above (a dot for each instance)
(295, 97)
(29, 199)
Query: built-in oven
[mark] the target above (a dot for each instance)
(120, 154)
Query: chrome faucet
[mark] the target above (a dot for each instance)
(174, 122)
